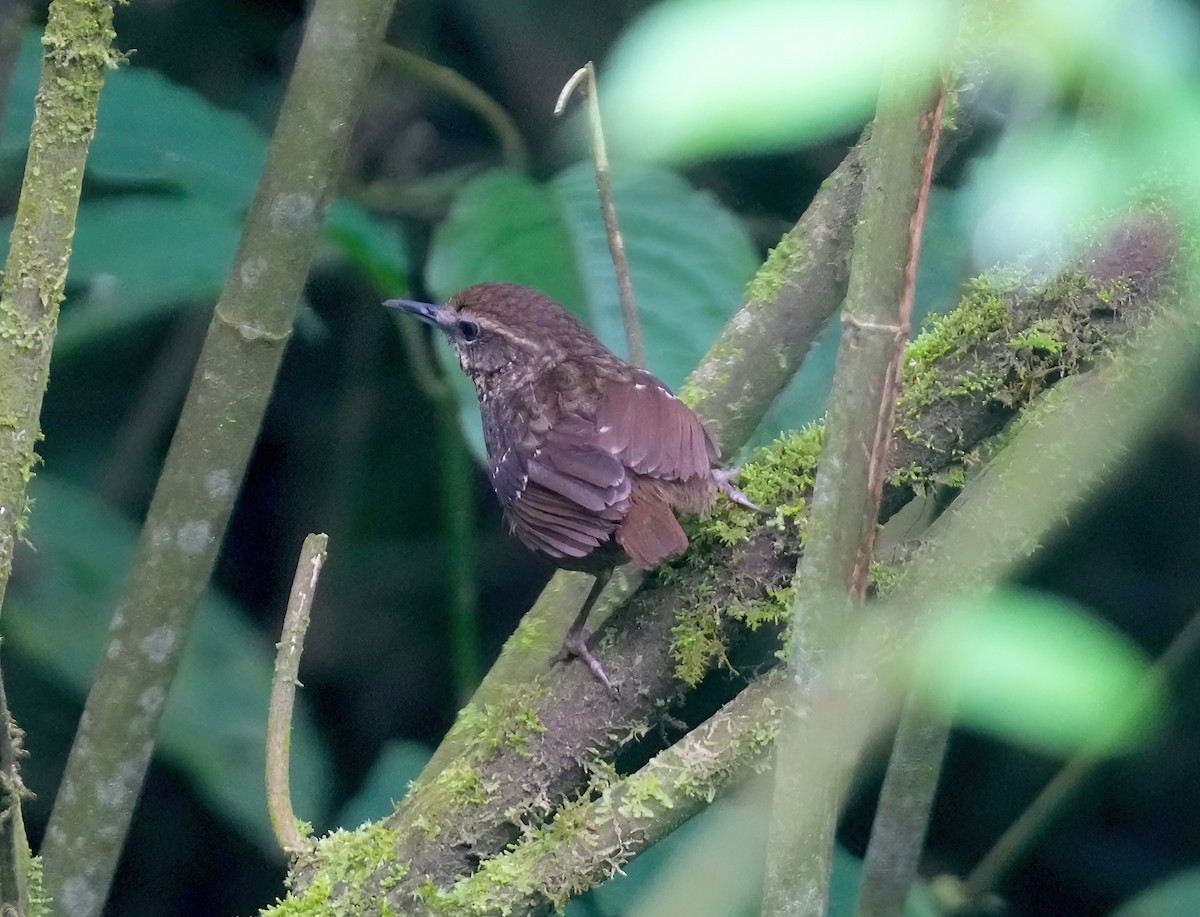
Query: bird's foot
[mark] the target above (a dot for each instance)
(575, 645)
(723, 476)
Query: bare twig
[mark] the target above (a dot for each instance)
(586, 76)
(457, 87)
(283, 689)
(209, 452)
(850, 478)
(902, 816)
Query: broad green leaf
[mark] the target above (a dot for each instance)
(1173, 897)
(191, 169)
(138, 256)
(689, 258)
(504, 226)
(694, 78)
(1038, 672)
(152, 132)
(57, 615)
(374, 247)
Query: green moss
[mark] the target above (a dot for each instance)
(529, 633)
(779, 477)
(35, 889)
(785, 260)
(640, 793)
(701, 780)
(983, 315)
(710, 378)
(882, 577)
(526, 725)
(460, 782)
(512, 721)
(345, 861)
(519, 872)
(696, 641)
(956, 477)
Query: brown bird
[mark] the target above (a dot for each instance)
(591, 457)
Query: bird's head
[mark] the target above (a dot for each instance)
(492, 326)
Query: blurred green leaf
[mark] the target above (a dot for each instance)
(138, 256)
(711, 867)
(690, 259)
(1036, 671)
(57, 614)
(152, 132)
(399, 764)
(374, 247)
(1175, 896)
(504, 226)
(694, 78)
(192, 169)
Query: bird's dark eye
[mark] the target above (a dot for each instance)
(468, 330)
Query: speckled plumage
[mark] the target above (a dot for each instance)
(589, 456)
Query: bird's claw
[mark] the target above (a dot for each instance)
(575, 645)
(723, 476)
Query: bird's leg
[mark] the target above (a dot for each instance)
(575, 642)
(723, 477)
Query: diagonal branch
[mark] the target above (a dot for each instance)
(531, 750)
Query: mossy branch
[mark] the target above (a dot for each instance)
(78, 52)
(78, 42)
(531, 749)
(209, 453)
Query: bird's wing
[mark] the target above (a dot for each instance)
(563, 496)
(651, 431)
(571, 487)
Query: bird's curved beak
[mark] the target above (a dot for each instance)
(426, 312)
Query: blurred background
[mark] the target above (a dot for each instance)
(358, 441)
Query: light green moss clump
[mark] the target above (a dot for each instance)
(460, 782)
(983, 315)
(511, 722)
(779, 477)
(696, 641)
(1041, 336)
(785, 260)
(346, 860)
(695, 392)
